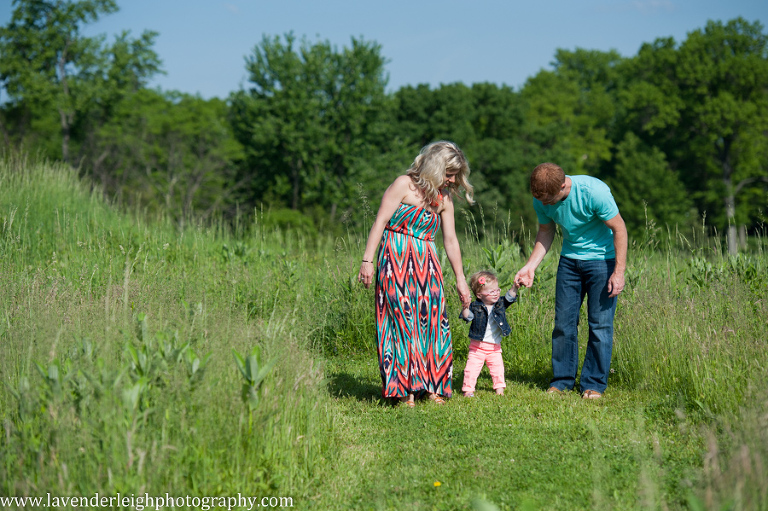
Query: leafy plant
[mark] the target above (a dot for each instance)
(503, 261)
(133, 393)
(238, 251)
(143, 362)
(54, 378)
(169, 348)
(196, 367)
(254, 370)
(26, 398)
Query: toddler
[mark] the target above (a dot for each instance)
(488, 314)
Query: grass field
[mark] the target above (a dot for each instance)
(140, 357)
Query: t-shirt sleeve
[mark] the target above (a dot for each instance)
(603, 203)
(538, 207)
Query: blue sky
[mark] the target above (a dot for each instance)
(203, 43)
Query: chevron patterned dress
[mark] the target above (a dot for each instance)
(414, 340)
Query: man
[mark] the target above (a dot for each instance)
(592, 263)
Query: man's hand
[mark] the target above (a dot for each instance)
(524, 277)
(615, 284)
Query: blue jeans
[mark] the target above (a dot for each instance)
(575, 279)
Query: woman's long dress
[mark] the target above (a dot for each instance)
(414, 340)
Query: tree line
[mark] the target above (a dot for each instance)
(679, 130)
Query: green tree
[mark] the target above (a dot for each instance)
(414, 107)
(168, 150)
(647, 191)
(705, 104)
(572, 109)
(501, 156)
(51, 71)
(311, 114)
(488, 123)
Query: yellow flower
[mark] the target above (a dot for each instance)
(437, 483)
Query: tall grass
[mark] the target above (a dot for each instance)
(117, 341)
(123, 338)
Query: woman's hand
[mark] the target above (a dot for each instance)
(366, 274)
(464, 295)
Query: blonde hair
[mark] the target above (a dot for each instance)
(546, 180)
(476, 285)
(430, 167)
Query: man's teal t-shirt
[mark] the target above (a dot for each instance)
(581, 217)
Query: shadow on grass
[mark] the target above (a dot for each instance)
(535, 380)
(347, 385)
(367, 388)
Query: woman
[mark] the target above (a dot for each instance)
(414, 341)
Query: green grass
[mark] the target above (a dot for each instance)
(124, 344)
(117, 342)
(525, 448)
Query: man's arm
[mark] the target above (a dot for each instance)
(616, 281)
(541, 246)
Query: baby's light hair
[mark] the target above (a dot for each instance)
(480, 279)
(430, 167)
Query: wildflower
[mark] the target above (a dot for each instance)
(437, 483)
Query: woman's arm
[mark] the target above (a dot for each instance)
(389, 202)
(452, 249)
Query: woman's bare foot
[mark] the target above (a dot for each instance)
(409, 401)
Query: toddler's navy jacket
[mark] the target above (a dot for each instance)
(478, 315)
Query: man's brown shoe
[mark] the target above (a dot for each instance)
(554, 390)
(591, 394)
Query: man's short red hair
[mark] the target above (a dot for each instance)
(546, 180)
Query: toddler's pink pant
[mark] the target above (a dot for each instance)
(483, 353)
